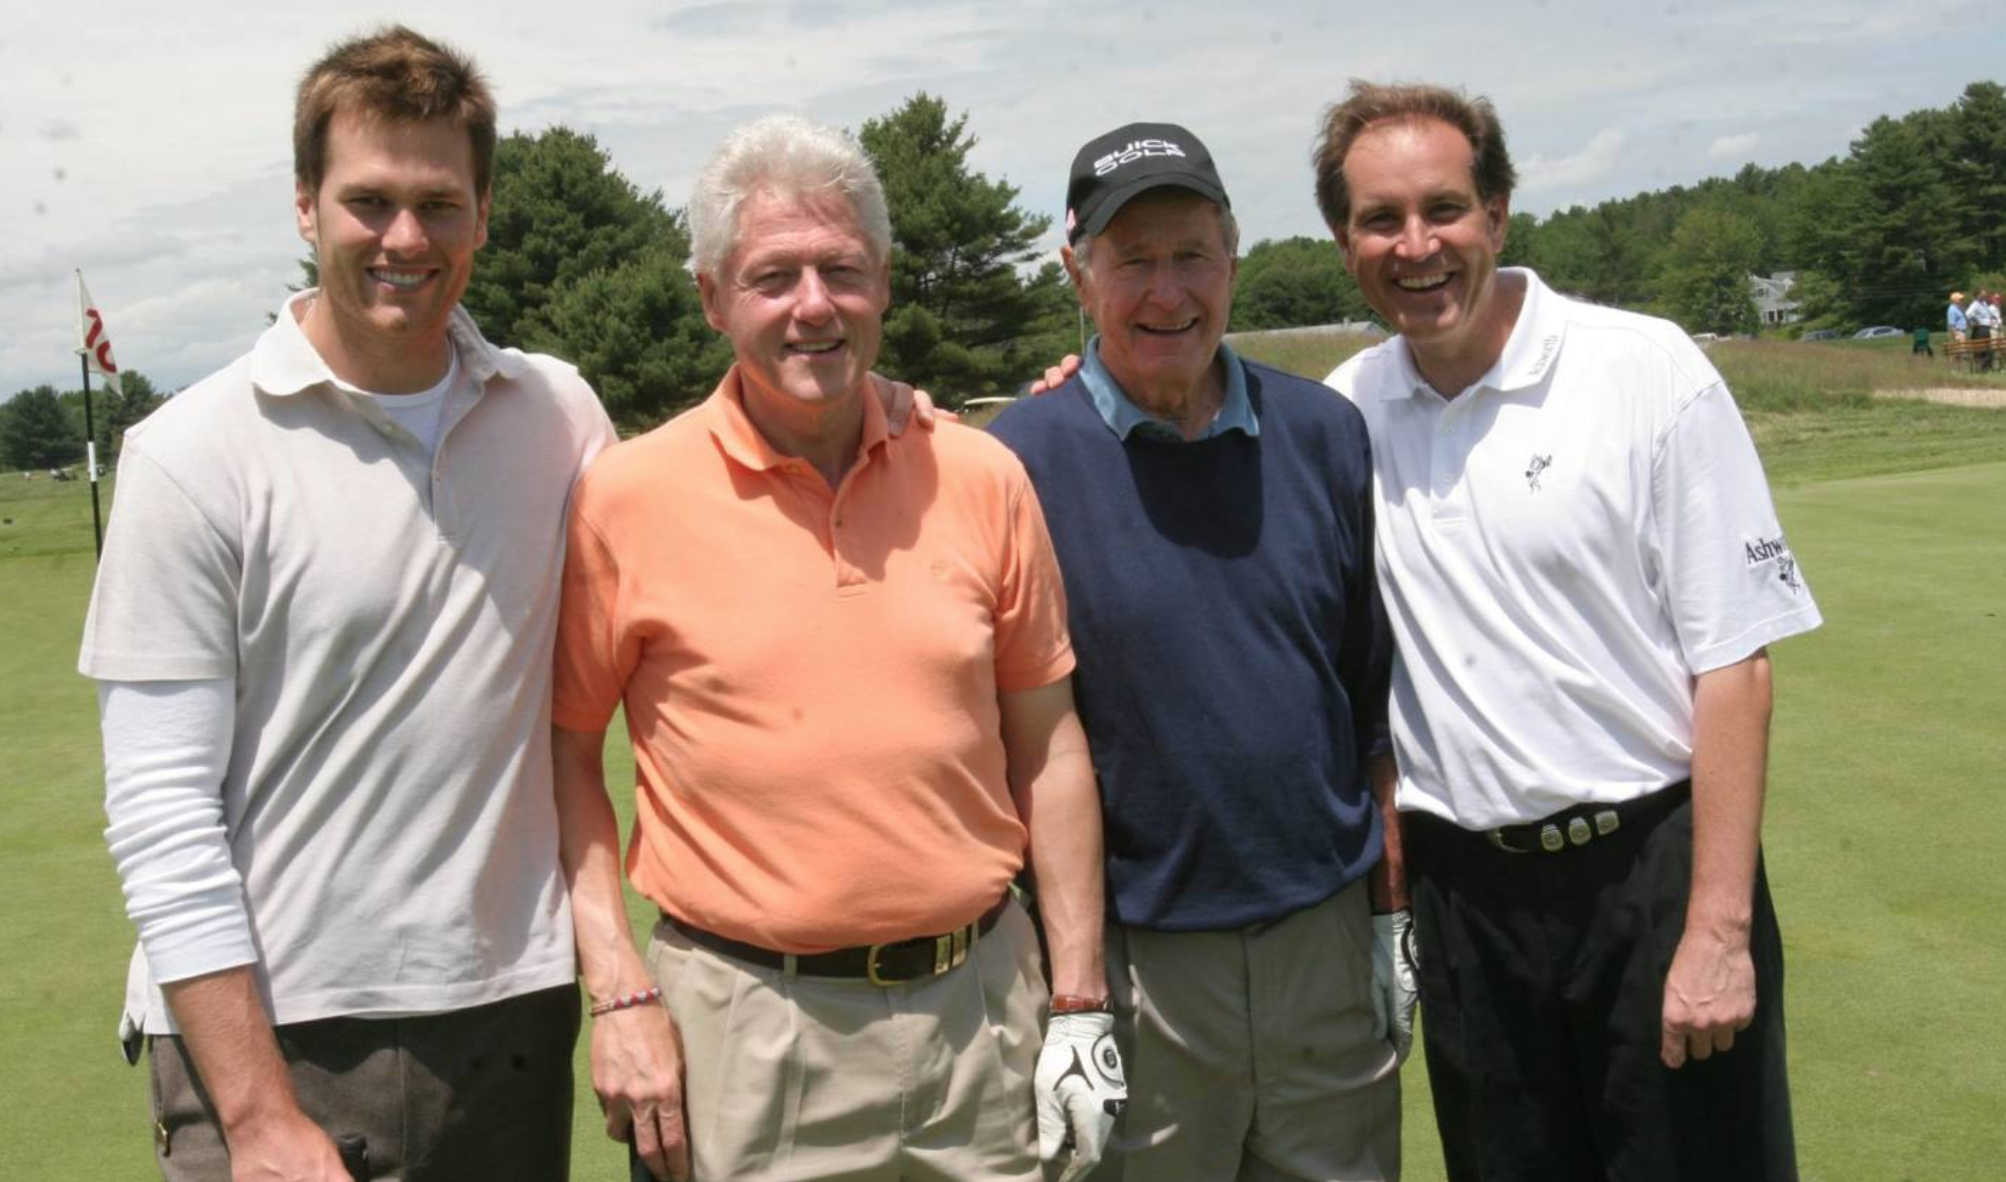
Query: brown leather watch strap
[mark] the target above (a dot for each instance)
(1068, 1003)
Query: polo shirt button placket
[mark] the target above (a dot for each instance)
(439, 524)
(1441, 458)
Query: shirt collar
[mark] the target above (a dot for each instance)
(1236, 409)
(284, 361)
(1529, 353)
(741, 440)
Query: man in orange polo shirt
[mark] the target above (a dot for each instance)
(844, 663)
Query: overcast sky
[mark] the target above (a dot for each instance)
(148, 143)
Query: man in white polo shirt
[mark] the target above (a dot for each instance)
(1582, 568)
(322, 634)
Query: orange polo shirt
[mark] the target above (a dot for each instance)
(811, 676)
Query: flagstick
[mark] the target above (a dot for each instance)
(91, 456)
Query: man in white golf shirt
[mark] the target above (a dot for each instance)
(322, 635)
(1582, 567)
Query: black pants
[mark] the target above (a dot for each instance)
(1542, 981)
(1983, 332)
(481, 1093)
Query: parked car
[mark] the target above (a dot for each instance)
(1705, 338)
(1878, 331)
(1821, 334)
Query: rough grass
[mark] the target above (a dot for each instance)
(1313, 355)
(1812, 407)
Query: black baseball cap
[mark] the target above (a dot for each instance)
(1113, 169)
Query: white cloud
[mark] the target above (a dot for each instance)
(1733, 147)
(1591, 164)
(166, 175)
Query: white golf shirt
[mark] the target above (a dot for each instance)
(382, 839)
(1562, 548)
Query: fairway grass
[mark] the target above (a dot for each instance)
(1881, 843)
(1883, 836)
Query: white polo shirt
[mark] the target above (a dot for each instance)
(1562, 547)
(387, 612)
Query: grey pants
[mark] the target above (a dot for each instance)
(477, 1093)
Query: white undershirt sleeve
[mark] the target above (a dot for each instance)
(166, 750)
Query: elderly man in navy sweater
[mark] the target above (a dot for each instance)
(1213, 520)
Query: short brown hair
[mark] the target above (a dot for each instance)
(398, 76)
(1370, 103)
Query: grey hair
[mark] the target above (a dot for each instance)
(1229, 234)
(790, 156)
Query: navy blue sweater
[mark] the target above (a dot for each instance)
(1232, 652)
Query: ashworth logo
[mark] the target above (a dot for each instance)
(1136, 150)
(1773, 550)
(1546, 350)
(1534, 467)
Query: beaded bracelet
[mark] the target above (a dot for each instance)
(626, 1001)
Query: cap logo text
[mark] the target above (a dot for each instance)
(1136, 150)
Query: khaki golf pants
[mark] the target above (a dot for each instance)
(793, 1079)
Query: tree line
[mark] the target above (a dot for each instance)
(583, 264)
(43, 428)
(1916, 209)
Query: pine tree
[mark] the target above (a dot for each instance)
(637, 333)
(36, 432)
(560, 212)
(965, 319)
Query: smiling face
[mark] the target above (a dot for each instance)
(394, 225)
(1158, 282)
(802, 297)
(1424, 246)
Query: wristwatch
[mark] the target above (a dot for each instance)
(1071, 1003)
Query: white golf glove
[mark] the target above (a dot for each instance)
(1393, 989)
(1080, 1090)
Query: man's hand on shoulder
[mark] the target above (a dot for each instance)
(1057, 375)
(903, 405)
(637, 1072)
(1709, 996)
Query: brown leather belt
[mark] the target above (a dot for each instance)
(881, 964)
(1584, 823)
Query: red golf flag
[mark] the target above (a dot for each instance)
(92, 340)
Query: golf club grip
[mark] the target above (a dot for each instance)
(637, 1170)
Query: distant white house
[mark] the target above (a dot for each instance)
(1773, 305)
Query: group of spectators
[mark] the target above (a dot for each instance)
(1978, 323)
(1095, 795)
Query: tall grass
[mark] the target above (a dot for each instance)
(1311, 354)
(1818, 411)
(1787, 376)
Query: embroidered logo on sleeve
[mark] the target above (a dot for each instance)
(1534, 468)
(1773, 552)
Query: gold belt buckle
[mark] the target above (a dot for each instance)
(871, 969)
(949, 951)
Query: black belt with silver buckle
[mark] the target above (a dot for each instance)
(1584, 823)
(880, 964)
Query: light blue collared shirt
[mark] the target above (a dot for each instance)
(1122, 417)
